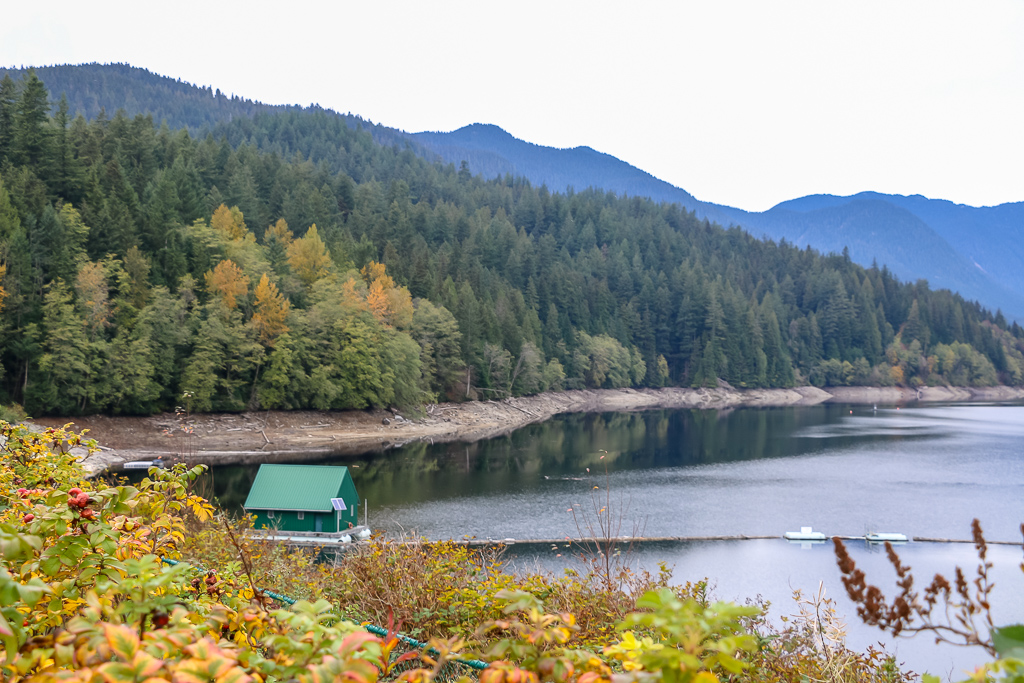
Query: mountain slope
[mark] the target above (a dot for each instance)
(978, 252)
(92, 88)
(903, 235)
(491, 151)
(287, 260)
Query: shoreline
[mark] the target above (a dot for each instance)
(293, 436)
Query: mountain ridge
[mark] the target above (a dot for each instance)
(946, 255)
(971, 250)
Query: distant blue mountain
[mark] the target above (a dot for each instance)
(490, 151)
(978, 252)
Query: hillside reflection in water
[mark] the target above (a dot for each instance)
(922, 471)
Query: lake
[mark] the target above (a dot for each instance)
(924, 470)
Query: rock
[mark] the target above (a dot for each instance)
(385, 421)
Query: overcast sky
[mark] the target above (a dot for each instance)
(740, 103)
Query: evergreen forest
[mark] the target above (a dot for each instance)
(287, 259)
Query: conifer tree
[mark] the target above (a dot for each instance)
(8, 100)
(31, 116)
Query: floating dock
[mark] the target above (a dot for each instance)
(357, 534)
(313, 539)
(625, 540)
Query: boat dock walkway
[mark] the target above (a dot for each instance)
(477, 542)
(361, 533)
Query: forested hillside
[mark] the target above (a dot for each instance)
(976, 252)
(95, 89)
(289, 260)
(972, 251)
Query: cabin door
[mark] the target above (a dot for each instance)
(319, 523)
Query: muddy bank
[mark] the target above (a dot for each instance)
(289, 436)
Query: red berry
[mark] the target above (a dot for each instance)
(73, 493)
(28, 518)
(82, 499)
(88, 514)
(22, 492)
(160, 619)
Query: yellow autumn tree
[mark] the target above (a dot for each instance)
(308, 257)
(271, 311)
(91, 285)
(377, 272)
(229, 222)
(352, 298)
(278, 233)
(228, 282)
(389, 303)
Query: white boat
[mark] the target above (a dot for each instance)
(886, 538)
(143, 464)
(805, 535)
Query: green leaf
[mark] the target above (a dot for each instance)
(8, 592)
(117, 671)
(50, 565)
(1009, 640)
(730, 664)
(32, 592)
(518, 600)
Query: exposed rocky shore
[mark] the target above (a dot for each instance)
(283, 436)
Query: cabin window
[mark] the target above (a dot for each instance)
(270, 514)
(301, 515)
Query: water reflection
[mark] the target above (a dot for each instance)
(564, 447)
(845, 469)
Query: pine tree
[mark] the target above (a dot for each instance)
(31, 114)
(65, 380)
(8, 101)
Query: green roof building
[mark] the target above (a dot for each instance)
(319, 498)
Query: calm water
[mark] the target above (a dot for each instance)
(846, 470)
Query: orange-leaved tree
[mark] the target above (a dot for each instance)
(227, 281)
(389, 303)
(271, 311)
(230, 222)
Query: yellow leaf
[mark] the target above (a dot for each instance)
(122, 640)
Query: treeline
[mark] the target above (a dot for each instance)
(288, 260)
(94, 90)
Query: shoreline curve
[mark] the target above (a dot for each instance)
(293, 436)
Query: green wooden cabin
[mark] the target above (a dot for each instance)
(319, 498)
